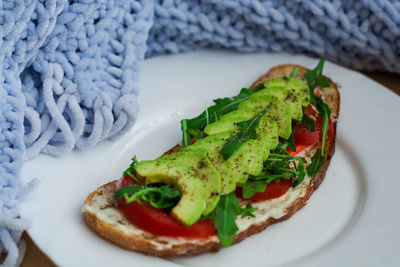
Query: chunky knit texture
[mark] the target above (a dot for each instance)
(69, 69)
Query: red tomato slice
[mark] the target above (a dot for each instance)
(159, 222)
(273, 190)
(302, 136)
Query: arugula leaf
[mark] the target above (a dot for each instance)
(281, 147)
(208, 117)
(248, 211)
(226, 212)
(186, 139)
(250, 188)
(248, 131)
(129, 171)
(317, 162)
(325, 113)
(308, 122)
(221, 107)
(276, 167)
(279, 165)
(212, 114)
(228, 208)
(163, 196)
(314, 77)
(294, 73)
(290, 141)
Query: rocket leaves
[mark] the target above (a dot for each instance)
(294, 73)
(227, 210)
(212, 114)
(308, 122)
(315, 79)
(158, 196)
(317, 162)
(277, 166)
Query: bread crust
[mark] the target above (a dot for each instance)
(150, 244)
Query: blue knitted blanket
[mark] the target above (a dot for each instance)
(69, 69)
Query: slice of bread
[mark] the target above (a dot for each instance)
(105, 219)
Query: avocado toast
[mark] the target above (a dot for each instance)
(218, 161)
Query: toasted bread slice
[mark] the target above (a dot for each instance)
(105, 219)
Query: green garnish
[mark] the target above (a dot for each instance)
(317, 162)
(316, 79)
(227, 210)
(276, 167)
(208, 117)
(279, 164)
(290, 141)
(158, 196)
(325, 113)
(129, 171)
(251, 187)
(294, 73)
(211, 114)
(308, 122)
(248, 131)
(186, 139)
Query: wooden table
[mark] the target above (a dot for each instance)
(35, 257)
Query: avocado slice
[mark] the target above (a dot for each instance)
(279, 112)
(193, 192)
(227, 122)
(293, 84)
(213, 144)
(247, 160)
(198, 160)
(292, 99)
(267, 135)
(239, 115)
(220, 126)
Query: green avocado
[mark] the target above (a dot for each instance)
(247, 160)
(227, 121)
(294, 85)
(292, 99)
(279, 112)
(213, 144)
(198, 160)
(193, 192)
(267, 135)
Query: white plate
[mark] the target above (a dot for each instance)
(353, 219)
